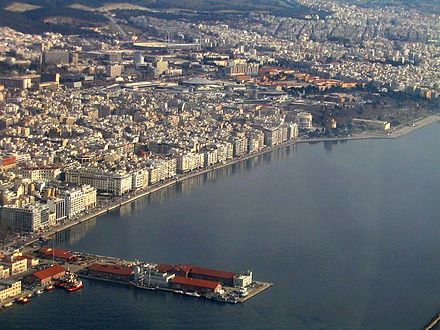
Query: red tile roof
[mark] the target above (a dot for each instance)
(49, 272)
(57, 253)
(111, 269)
(195, 282)
(212, 273)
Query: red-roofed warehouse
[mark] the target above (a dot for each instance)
(47, 275)
(226, 278)
(192, 284)
(110, 271)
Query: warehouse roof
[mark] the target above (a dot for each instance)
(212, 272)
(111, 269)
(195, 282)
(57, 253)
(49, 272)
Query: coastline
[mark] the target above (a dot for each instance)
(133, 196)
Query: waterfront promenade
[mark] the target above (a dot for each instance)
(132, 196)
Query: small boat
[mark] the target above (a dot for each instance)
(9, 304)
(192, 294)
(39, 291)
(23, 300)
(178, 291)
(30, 295)
(50, 287)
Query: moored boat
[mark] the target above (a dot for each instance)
(192, 294)
(70, 287)
(70, 283)
(23, 300)
(50, 287)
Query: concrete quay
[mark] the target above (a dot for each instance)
(84, 260)
(258, 288)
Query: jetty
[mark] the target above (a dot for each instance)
(188, 280)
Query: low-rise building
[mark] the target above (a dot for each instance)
(304, 120)
(110, 271)
(17, 265)
(371, 124)
(9, 289)
(197, 285)
(47, 275)
(243, 280)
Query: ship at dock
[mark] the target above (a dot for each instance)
(188, 280)
(182, 279)
(70, 282)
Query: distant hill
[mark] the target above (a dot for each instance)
(426, 6)
(29, 16)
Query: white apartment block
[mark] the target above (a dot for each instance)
(29, 218)
(40, 174)
(140, 178)
(116, 183)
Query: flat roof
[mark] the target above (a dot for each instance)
(57, 253)
(212, 272)
(111, 269)
(195, 282)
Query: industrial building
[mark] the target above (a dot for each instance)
(192, 284)
(57, 254)
(111, 272)
(46, 276)
(226, 278)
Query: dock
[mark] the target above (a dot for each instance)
(188, 280)
(433, 323)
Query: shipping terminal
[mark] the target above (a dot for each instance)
(64, 269)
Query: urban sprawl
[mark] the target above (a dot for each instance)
(143, 100)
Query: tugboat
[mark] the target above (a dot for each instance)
(74, 286)
(70, 282)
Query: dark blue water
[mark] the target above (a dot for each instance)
(348, 232)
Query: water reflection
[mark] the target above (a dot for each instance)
(330, 146)
(187, 186)
(156, 199)
(73, 234)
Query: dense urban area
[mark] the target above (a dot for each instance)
(142, 98)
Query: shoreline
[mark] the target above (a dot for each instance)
(395, 133)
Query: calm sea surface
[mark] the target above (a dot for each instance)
(348, 232)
